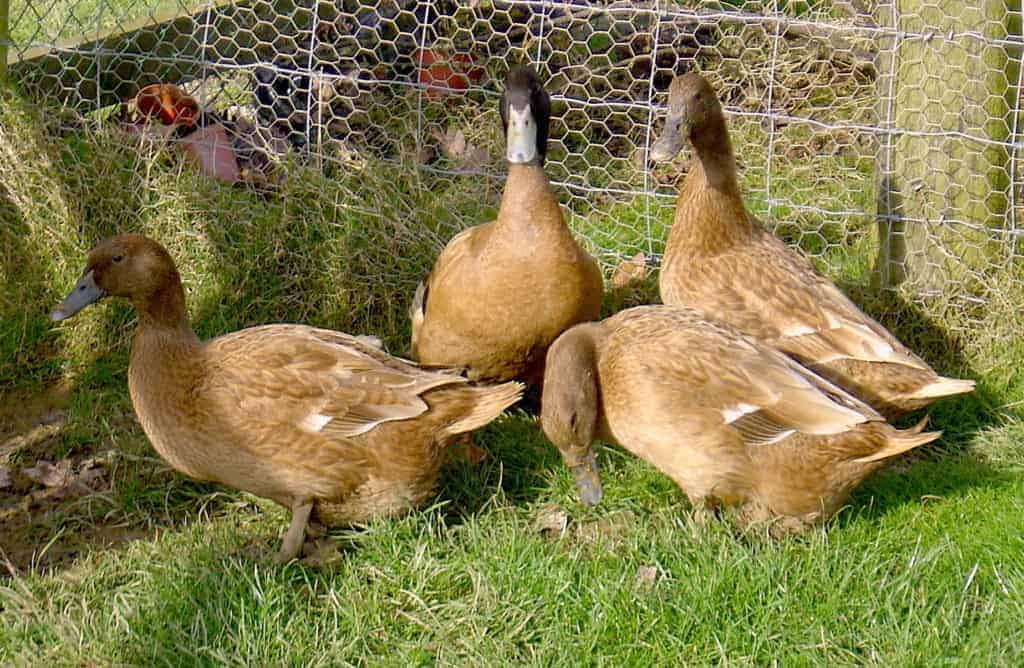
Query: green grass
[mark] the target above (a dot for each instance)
(924, 567)
(46, 21)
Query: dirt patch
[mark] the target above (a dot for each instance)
(47, 505)
(28, 415)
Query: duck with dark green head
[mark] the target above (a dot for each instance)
(501, 292)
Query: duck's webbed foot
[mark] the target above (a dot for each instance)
(296, 535)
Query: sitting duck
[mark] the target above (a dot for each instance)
(324, 423)
(734, 422)
(720, 261)
(501, 292)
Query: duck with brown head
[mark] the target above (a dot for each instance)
(719, 260)
(501, 292)
(326, 424)
(732, 421)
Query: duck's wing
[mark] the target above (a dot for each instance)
(316, 380)
(759, 391)
(454, 271)
(457, 255)
(771, 290)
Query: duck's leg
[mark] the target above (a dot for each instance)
(296, 535)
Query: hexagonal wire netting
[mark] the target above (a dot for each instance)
(881, 137)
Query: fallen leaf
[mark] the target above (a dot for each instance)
(48, 474)
(551, 520)
(454, 146)
(452, 142)
(628, 271)
(609, 526)
(61, 482)
(89, 476)
(646, 576)
(5, 477)
(476, 157)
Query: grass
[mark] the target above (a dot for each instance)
(925, 566)
(37, 21)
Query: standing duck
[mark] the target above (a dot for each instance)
(501, 292)
(719, 260)
(731, 420)
(326, 424)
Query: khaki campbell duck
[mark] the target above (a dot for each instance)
(732, 421)
(324, 423)
(501, 292)
(720, 261)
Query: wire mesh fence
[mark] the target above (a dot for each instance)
(881, 137)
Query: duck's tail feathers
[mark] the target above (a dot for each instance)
(902, 441)
(488, 402)
(416, 311)
(944, 387)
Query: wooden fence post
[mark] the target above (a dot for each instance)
(5, 38)
(944, 175)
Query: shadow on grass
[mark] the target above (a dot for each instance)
(518, 469)
(923, 482)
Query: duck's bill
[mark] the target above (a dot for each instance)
(521, 136)
(588, 482)
(84, 293)
(670, 143)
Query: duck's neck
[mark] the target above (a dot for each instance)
(714, 156)
(709, 212)
(528, 200)
(163, 311)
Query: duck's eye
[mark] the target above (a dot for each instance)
(118, 258)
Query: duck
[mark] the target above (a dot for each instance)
(227, 149)
(499, 293)
(324, 423)
(734, 422)
(719, 260)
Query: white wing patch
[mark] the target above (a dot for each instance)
(371, 341)
(738, 411)
(798, 329)
(314, 422)
(778, 437)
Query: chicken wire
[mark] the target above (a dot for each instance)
(859, 127)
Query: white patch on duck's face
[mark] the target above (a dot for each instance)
(521, 136)
(738, 411)
(314, 422)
